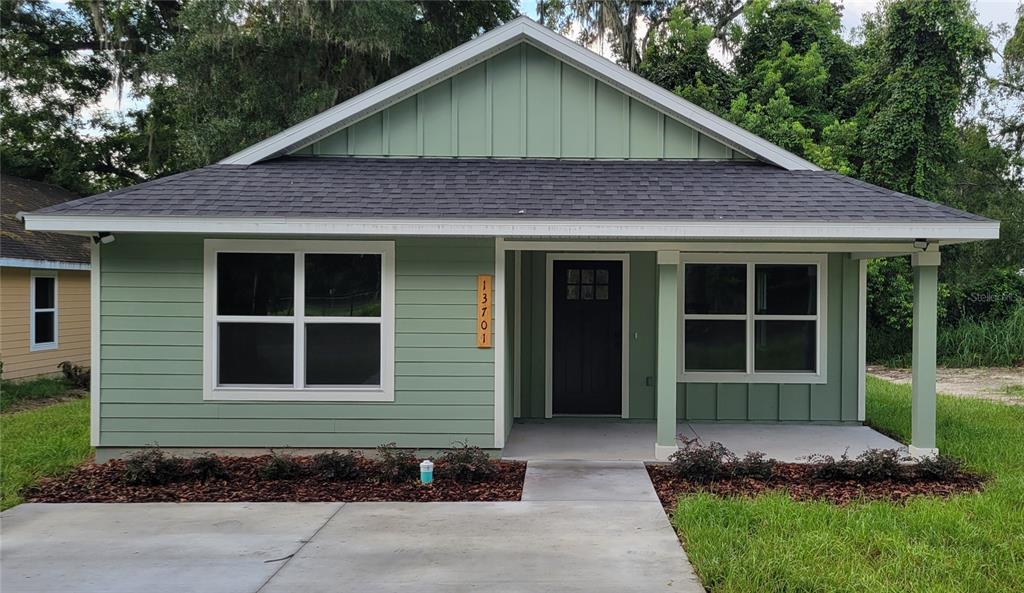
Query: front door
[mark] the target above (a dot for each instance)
(586, 337)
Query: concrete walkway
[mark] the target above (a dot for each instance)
(584, 528)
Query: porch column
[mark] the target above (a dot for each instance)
(926, 281)
(668, 331)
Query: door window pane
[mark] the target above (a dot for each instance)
(786, 289)
(342, 354)
(44, 292)
(342, 285)
(255, 283)
(572, 292)
(716, 289)
(715, 345)
(44, 330)
(255, 354)
(785, 345)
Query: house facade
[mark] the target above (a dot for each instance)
(518, 230)
(44, 286)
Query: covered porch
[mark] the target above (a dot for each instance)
(616, 350)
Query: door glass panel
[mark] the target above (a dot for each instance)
(572, 292)
(786, 289)
(255, 283)
(573, 276)
(255, 354)
(342, 354)
(784, 345)
(715, 345)
(342, 284)
(601, 293)
(716, 289)
(587, 292)
(602, 276)
(587, 276)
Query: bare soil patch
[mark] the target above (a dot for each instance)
(33, 404)
(105, 483)
(796, 480)
(995, 384)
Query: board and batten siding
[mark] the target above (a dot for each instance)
(151, 316)
(522, 102)
(72, 323)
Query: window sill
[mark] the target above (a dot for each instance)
(42, 347)
(298, 395)
(727, 377)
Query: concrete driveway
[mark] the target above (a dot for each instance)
(582, 527)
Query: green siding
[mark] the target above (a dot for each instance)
(151, 351)
(835, 401)
(522, 102)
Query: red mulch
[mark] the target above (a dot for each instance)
(104, 483)
(795, 479)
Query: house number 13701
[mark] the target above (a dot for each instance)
(483, 310)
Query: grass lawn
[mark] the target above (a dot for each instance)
(967, 543)
(14, 394)
(41, 442)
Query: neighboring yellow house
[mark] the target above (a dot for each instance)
(44, 286)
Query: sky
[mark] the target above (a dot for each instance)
(990, 12)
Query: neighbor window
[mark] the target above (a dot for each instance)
(299, 320)
(42, 310)
(752, 318)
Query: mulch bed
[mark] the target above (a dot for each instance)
(104, 483)
(795, 479)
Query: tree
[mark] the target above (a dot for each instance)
(618, 21)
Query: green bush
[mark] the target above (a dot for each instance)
(396, 465)
(335, 466)
(467, 463)
(755, 465)
(701, 463)
(153, 467)
(280, 466)
(992, 342)
(208, 467)
(74, 375)
(938, 468)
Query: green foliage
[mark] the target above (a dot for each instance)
(75, 375)
(396, 465)
(335, 466)
(754, 465)
(13, 393)
(467, 463)
(153, 467)
(280, 466)
(701, 463)
(207, 467)
(998, 341)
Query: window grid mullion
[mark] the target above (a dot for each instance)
(299, 330)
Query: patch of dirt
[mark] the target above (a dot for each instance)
(796, 480)
(995, 384)
(32, 404)
(104, 483)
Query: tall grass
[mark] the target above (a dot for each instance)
(984, 343)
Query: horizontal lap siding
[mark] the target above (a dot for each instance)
(151, 350)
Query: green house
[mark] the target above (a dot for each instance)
(518, 230)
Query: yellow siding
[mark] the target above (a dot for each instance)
(72, 323)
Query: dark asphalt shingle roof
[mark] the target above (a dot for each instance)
(22, 195)
(513, 188)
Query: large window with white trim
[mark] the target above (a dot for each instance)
(752, 318)
(298, 320)
(42, 310)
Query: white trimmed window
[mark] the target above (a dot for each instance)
(752, 318)
(298, 320)
(42, 310)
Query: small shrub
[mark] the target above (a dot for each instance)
(827, 467)
(208, 467)
(153, 467)
(76, 376)
(280, 466)
(335, 466)
(939, 468)
(396, 465)
(701, 463)
(467, 463)
(755, 465)
(876, 465)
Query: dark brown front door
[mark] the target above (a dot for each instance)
(586, 337)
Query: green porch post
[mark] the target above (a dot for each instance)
(926, 281)
(668, 331)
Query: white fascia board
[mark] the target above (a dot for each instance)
(39, 264)
(492, 43)
(532, 228)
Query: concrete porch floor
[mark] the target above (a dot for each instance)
(634, 441)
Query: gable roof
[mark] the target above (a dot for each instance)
(16, 243)
(520, 30)
(518, 197)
